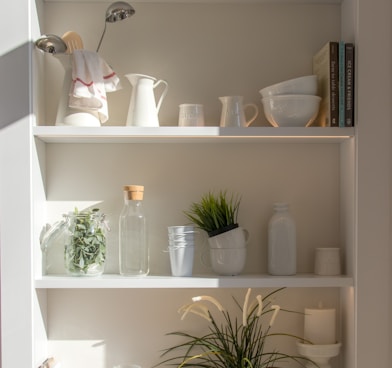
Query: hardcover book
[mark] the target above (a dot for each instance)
(342, 83)
(326, 67)
(349, 85)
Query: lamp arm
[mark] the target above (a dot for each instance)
(100, 41)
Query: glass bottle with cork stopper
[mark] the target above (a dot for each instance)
(133, 246)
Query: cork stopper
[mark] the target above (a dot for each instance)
(134, 192)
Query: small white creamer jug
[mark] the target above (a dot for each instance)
(143, 111)
(233, 114)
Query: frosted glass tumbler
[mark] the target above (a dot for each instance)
(191, 115)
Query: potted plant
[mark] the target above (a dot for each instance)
(215, 213)
(232, 341)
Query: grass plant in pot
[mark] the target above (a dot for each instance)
(243, 337)
(217, 215)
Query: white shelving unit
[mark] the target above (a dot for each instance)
(92, 321)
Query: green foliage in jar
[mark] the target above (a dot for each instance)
(86, 250)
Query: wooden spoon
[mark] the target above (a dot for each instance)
(73, 41)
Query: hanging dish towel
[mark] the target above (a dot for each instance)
(92, 77)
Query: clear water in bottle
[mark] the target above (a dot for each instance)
(133, 246)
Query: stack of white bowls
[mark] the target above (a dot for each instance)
(181, 249)
(292, 103)
(228, 252)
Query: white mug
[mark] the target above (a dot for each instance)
(327, 262)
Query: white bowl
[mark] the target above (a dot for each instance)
(291, 110)
(228, 261)
(306, 85)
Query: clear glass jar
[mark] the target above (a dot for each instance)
(85, 247)
(82, 236)
(133, 247)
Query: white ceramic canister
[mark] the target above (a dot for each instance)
(327, 262)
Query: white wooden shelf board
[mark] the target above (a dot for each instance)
(202, 281)
(209, 1)
(123, 134)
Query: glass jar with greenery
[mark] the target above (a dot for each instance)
(85, 248)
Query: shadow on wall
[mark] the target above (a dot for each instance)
(14, 85)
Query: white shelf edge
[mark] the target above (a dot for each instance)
(210, 1)
(171, 134)
(202, 281)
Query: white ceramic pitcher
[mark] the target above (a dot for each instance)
(233, 114)
(143, 111)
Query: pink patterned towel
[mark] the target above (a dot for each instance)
(92, 77)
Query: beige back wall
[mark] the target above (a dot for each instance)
(203, 50)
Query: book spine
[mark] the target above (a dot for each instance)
(349, 85)
(334, 83)
(342, 67)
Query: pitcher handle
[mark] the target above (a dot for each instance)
(256, 112)
(163, 94)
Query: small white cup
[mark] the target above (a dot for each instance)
(191, 115)
(327, 262)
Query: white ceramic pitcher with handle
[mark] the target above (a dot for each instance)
(143, 111)
(233, 114)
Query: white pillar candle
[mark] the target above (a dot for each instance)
(320, 326)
